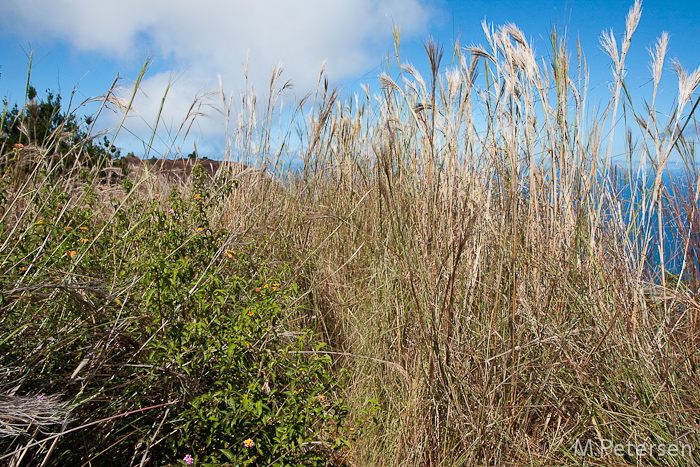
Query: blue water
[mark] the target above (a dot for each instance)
(678, 199)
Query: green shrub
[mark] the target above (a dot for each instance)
(151, 306)
(53, 136)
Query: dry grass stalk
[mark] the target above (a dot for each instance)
(18, 415)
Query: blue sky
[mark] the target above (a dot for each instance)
(85, 44)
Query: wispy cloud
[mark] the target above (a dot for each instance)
(208, 38)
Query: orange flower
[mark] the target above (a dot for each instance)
(230, 253)
(84, 228)
(248, 443)
(197, 196)
(72, 253)
(19, 145)
(84, 240)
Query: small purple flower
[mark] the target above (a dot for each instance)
(41, 397)
(313, 317)
(171, 211)
(188, 459)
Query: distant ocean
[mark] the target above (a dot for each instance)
(673, 228)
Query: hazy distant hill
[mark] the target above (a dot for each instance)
(180, 169)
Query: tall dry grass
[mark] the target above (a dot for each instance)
(477, 271)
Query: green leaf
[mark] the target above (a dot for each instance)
(229, 455)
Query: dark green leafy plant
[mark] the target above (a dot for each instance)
(43, 131)
(151, 312)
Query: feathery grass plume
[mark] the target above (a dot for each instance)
(687, 84)
(657, 62)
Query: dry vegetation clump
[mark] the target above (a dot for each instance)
(481, 272)
(483, 282)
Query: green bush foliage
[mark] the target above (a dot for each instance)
(59, 135)
(152, 311)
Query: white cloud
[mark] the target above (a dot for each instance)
(213, 37)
